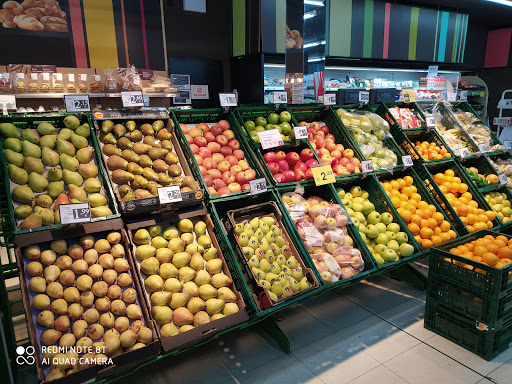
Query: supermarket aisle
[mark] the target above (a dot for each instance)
(363, 334)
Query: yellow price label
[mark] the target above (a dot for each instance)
(408, 95)
(482, 94)
(323, 175)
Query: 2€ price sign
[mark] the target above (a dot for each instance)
(168, 195)
(301, 132)
(132, 99)
(227, 99)
(280, 97)
(323, 175)
(75, 213)
(258, 186)
(77, 103)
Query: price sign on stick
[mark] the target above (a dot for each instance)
(431, 121)
(407, 161)
(503, 179)
(132, 99)
(227, 99)
(364, 96)
(329, 99)
(75, 213)
(258, 186)
(463, 152)
(280, 97)
(168, 195)
(77, 103)
(301, 132)
(367, 166)
(482, 148)
(323, 175)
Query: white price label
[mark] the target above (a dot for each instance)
(280, 97)
(367, 166)
(507, 145)
(443, 95)
(313, 236)
(364, 96)
(77, 103)
(407, 161)
(329, 99)
(452, 96)
(463, 96)
(46, 77)
(301, 132)
(503, 179)
(431, 121)
(168, 195)
(132, 99)
(71, 77)
(83, 77)
(482, 148)
(75, 213)
(227, 99)
(258, 186)
(432, 70)
(7, 101)
(503, 121)
(463, 152)
(270, 139)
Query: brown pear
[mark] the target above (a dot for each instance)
(124, 143)
(145, 161)
(50, 336)
(151, 141)
(160, 166)
(116, 162)
(141, 148)
(182, 316)
(157, 153)
(111, 150)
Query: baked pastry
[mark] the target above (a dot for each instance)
(45, 87)
(6, 15)
(28, 22)
(71, 88)
(36, 12)
(33, 87)
(58, 88)
(33, 3)
(54, 24)
(82, 88)
(13, 6)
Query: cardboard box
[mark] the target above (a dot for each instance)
(195, 335)
(121, 363)
(151, 204)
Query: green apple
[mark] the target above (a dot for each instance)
(386, 218)
(347, 202)
(378, 258)
(363, 236)
(373, 217)
(391, 235)
(362, 228)
(259, 128)
(350, 211)
(349, 196)
(381, 227)
(273, 118)
(389, 255)
(356, 222)
(406, 250)
(261, 121)
(393, 227)
(359, 216)
(285, 117)
(355, 191)
(358, 200)
(287, 128)
(368, 207)
(379, 248)
(497, 207)
(371, 231)
(357, 207)
(402, 237)
(507, 211)
(364, 194)
(341, 193)
(393, 244)
(382, 239)
(249, 124)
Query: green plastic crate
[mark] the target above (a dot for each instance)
(506, 190)
(25, 122)
(384, 111)
(213, 115)
(329, 194)
(484, 168)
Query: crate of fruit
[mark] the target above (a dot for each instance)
(219, 154)
(500, 202)
(327, 137)
(502, 164)
(51, 160)
(324, 233)
(188, 287)
(85, 312)
(426, 147)
(145, 163)
(426, 220)
(481, 173)
(378, 222)
(405, 116)
(370, 133)
(458, 195)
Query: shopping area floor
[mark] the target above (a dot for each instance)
(368, 333)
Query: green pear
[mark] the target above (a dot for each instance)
(17, 175)
(270, 221)
(55, 188)
(270, 237)
(248, 252)
(88, 170)
(37, 183)
(277, 289)
(54, 174)
(85, 155)
(297, 274)
(12, 143)
(253, 242)
(254, 262)
(287, 290)
(50, 157)
(77, 193)
(49, 141)
(44, 201)
(202, 278)
(264, 245)
(47, 216)
(71, 121)
(83, 130)
(255, 223)
(33, 221)
(46, 129)
(30, 149)
(210, 253)
(214, 306)
(173, 285)
(292, 263)
(68, 162)
(9, 130)
(97, 200)
(65, 147)
(295, 285)
(102, 211)
(79, 141)
(22, 211)
(264, 227)
(31, 164)
(265, 266)
(259, 234)
(303, 284)
(14, 157)
(72, 178)
(23, 194)
(275, 268)
(30, 135)
(280, 242)
(258, 274)
(65, 134)
(248, 230)
(200, 228)
(92, 185)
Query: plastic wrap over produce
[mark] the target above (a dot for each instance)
(479, 132)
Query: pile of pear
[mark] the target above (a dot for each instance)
(141, 159)
(82, 294)
(51, 167)
(184, 276)
(270, 257)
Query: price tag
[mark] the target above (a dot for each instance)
(482, 94)
(463, 152)
(258, 186)
(75, 213)
(83, 77)
(463, 96)
(270, 139)
(408, 95)
(364, 96)
(482, 148)
(431, 121)
(367, 166)
(407, 161)
(168, 195)
(227, 99)
(443, 95)
(301, 132)
(280, 97)
(452, 96)
(8, 101)
(132, 99)
(503, 179)
(432, 70)
(329, 99)
(323, 175)
(77, 103)
(507, 145)
(503, 121)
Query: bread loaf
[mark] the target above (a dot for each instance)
(28, 22)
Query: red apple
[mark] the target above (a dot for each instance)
(303, 124)
(280, 155)
(336, 154)
(299, 175)
(320, 143)
(311, 162)
(273, 167)
(355, 161)
(214, 173)
(279, 177)
(223, 166)
(208, 180)
(209, 137)
(319, 135)
(203, 170)
(226, 151)
(326, 159)
(213, 147)
(228, 177)
(318, 153)
(203, 127)
(194, 148)
(330, 136)
(270, 157)
(292, 158)
(234, 187)
(229, 134)
(334, 161)
(217, 157)
(218, 184)
(338, 169)
(306, 154)
(212, 191)
(184, 128)
(199, 159)
(300, 166)
(236, 169)
(289, 176)
(232, 160)
(309, 174)
(195, 132)
(283, 165)
(339, 147)
(315, 124)
(312, 143)
(209, 163)
(224, 191)
(324, 129)
(348, 153)
(311, 130)
(239, 154)
(251, 174)
(200, 141)
(244, 165)
(222, 140)
(234, 144)
(216, 130)
(350, 168)
(241, 178)
(189, 138)
(246, 187)
(344, 161)
(223, 124)
(330, 145)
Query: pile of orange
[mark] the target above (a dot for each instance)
(427, 225)
(490, 250)
(431, 151)
(456, 192)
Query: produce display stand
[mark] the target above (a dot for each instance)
(384, 111)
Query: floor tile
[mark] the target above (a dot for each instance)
(300, 326)
(502, 375)
(284, 370)
(424, 365)
(380, 375)
(336, 360)
(335, 311)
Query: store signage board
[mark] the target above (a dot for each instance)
(258, 186)
(329, 99)
(77, 103)
(482, 148)
(168, 195)
(280, 97)
(433, 70)
(270, 139)
(323, 174)
(301, 132)
(145, 74)
(75, 213)
(200, 92)
(227, 99)
(180, 81)
(408, 95)
(183, 98)
(364, 96)
(452, 96)
(407, 161)
(503, 179)
(503, 121)
(463, 96)
(132, 99)
(367, 166)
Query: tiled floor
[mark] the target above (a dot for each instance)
(368, 333)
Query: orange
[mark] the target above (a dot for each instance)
(493, 248)
(439, 178)
(502, 238)
(467, 195)
(414, 228)
(406, 215)
(463, 210)
(449, 172)
(396, 201)
(499, 243)
(470, 247)
(436, 240)
(470, 228)
(401, 182)
(456, 251)
(437, 231)
(467, 255)
(424, 223)
(445, 226)
(416, 219)
(443, 189)
(472, 219)
(394, 184)
(407, 191)
(438, 216)
(444, 237)
(510, 241)
(489, 225)
(416, 196)
(426, 243)
(418, 238)
(432, 223)
(483, 218)
(479, 250)
(403, 197)
(422, 204)
(479, 259)
(427, 213)
(463, 188)
(457, 180)
(395, 193)
(490, 258)
(453, 234)
(464, 220)
(426, 232)
(408, 180)
(489, 237)
(387, 186)
(505, 252)
(473, 203)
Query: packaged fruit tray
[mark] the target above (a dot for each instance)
(225, 167)
(500, 202)
(481, 173)
(79, 291)
(454, 192)
(451, 263)
(423, 216)
(251, 119)
(49, 160)
(142, 154)
(187, 284)
(327, 137)
(370, 133)
(379, 224)
(405, 116)
(323, 232)
(487, 343)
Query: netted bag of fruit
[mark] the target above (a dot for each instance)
(295, 205)
(309, 233)
(350, 261)
(326, 265)
(328, 217)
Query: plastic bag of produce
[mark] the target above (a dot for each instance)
(296, 205)
(480, 133)
(350, 261)
(327, 266)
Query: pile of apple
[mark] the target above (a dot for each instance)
(219, 157)
(382, 236)
(281, 122)
(290, 167)
(341, 159)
